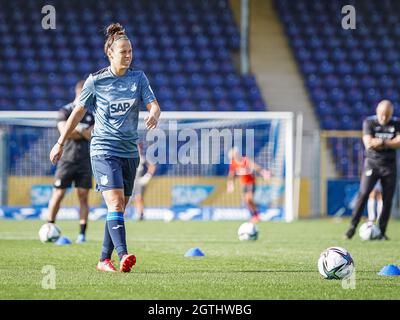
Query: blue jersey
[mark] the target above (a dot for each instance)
(115, 103)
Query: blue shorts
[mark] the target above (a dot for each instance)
(111, 172)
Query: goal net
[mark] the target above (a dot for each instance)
(190, 151)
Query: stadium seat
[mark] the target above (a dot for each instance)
(346, 73)
(177, 45)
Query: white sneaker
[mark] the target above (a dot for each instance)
(106, 265)
(81, 238)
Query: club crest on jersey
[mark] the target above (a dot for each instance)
(119, 108)
(134, 87)
(107, 88)
(104, 180)
(121, 87)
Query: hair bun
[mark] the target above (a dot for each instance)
(113, 29)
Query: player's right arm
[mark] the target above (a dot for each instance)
(73, 120)
(85, 101)
(369, 141)
(266, 174)
(230, 187)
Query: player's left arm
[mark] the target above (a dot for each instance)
(393, 143)
(74, 135)
(151, 120)
(151, 169)
(149, 99)
(230, 186)
(266, 174)
(86, 133)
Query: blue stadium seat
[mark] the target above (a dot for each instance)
(180, 46)
(354, 95)
(329, 122)
(324, 108)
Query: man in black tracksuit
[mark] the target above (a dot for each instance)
(381, 136)
(74, 166)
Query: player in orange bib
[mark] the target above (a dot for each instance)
(245, 169)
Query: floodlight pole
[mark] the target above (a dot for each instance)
(3, 168)
(244, 36)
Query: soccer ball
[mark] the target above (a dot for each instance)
(49, 232)
(247, 231)
(369, 231)
(335, 263)
(168, 216)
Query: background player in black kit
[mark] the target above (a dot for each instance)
(74, 166)
(381, 136)
(144, 173)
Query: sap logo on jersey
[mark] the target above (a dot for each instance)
(119, 108)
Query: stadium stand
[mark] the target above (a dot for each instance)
(185, 48)
(346, 72)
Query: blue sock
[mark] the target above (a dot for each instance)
(116, 228)
(108, 245)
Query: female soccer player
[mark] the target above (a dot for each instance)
(74, 165)
(114, 94)
(244, 167)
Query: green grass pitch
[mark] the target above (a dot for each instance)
(281, 264)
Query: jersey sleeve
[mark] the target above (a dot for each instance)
(87, 97)
(147, 94)
(367, 128)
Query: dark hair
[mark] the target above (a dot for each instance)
(113, 32)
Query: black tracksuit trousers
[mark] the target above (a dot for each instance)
(387, 175)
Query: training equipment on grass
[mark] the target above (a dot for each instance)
(194, 252)
(369, 231)
(335, 263)
(390, 270)
(247, 231)
(62, 241)
(49, 232)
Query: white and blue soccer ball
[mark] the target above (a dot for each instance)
(49, 232)
(247, 231)
(335, 263)
(168, 216)
(369, 231)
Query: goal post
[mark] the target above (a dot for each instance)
(341, 162)
(190, 150)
